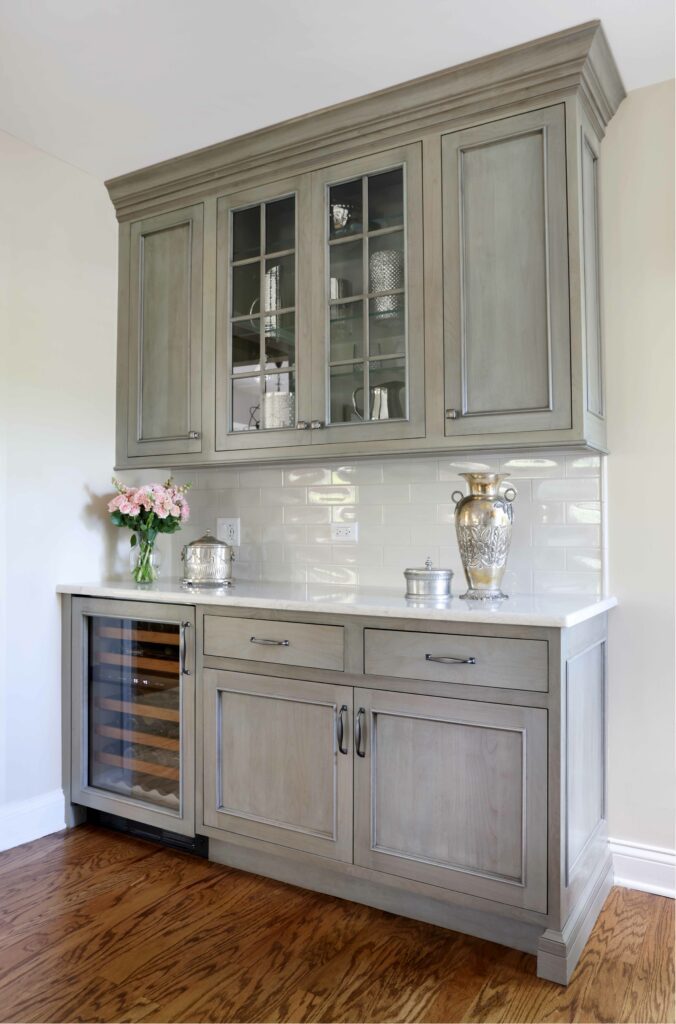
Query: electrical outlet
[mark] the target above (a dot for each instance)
(345, 532)
(228, 531)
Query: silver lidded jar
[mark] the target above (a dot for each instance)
(483, 523)
(207, 562)
(428, 584)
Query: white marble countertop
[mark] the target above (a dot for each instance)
(557, 610)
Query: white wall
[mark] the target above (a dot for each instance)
(638, 262)
(57, 335)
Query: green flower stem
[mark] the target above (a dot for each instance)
(144, 570)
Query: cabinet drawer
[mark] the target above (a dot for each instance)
(497, 661)
(278, 643)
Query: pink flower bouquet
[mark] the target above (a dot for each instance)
(147, 511)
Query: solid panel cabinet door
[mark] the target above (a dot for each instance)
(165, 334)
(262, 320)
(278, 761)
(368, 345)
(453, 793)
(506, 309)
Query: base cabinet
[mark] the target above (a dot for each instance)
(276, 761)
(453, 793)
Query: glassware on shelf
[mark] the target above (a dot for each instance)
(367, 343)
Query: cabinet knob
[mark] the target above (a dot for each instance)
(194, 435)
(316, 424)
(302, 425)
(452, 414)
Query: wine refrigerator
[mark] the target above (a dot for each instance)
(133, 709)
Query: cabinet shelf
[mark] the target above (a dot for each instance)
(134, 708)
(134, 736)
(141, 635)
(137, 661)
(160, 771)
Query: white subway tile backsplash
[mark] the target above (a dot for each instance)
(307, 475)
(310, 514)
(450, 469)
(409, 471)
(571, 489)
(283, 496)
(588, 512)
(367, 472)
(548, 513)
(583, 465)
(583, 559)
(566, 536)
(532, 467)
(339, 494)
(384, 494)
(357, 513)
(405, 514)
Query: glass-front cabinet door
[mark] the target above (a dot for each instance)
(261, 376)
(367, 286)
(133, 711)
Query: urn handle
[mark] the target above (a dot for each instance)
(509, 494)
(457, 497)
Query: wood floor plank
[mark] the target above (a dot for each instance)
(103, 927)
(650, 993)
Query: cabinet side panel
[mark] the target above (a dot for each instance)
(592, 307)
(585, 751)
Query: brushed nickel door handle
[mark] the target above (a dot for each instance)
(449, 659)
(183, 671)
(359, 733)
(340, 729)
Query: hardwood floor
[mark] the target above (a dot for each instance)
(95, 926)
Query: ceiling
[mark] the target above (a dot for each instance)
(113, 85)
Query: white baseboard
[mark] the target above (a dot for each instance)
(22, 821)
(648, 868)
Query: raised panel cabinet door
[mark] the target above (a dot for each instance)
(165, 334)
(507, 348)
(453, 793)
(367, 287)
(263, 317)
(278, 761)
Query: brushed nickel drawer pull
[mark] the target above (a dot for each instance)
(448, 659)
(358, 733)
(268, 643)
(340, 728)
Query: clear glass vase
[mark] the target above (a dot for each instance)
(145, 561)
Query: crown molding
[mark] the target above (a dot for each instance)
(575, 61)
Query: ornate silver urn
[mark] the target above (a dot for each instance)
(483, 523)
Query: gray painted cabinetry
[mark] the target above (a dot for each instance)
(468, 791)
(417, 270)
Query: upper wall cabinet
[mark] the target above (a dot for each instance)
(161, 383)
(506, 303)
(415, 271)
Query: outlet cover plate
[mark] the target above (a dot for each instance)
(228, 531)
(346, 533)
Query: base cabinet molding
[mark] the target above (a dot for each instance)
(284, 285)
(482, 809)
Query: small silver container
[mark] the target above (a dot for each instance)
(207, 562)
(428, 584)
